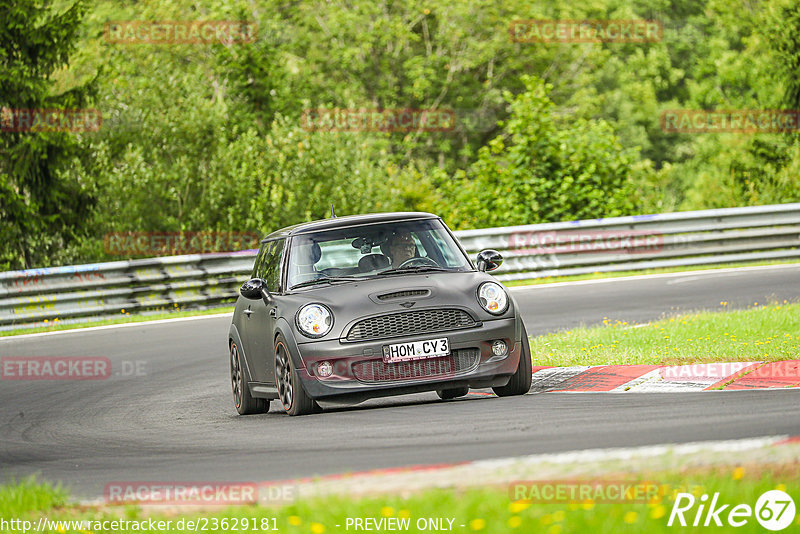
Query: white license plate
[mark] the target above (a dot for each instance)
(416, 350)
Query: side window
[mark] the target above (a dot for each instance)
(269, 266)
(260, 257)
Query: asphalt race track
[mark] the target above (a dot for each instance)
(547, 308)
(174, 420)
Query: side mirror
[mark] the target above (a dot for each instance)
(255, 289)
(489, 260)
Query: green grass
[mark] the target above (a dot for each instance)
(763, 332)
(123, 318)
(28, 495)
(489, 510)
(597, 276)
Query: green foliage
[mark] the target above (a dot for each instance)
(18, 497)
(544, 168)
(210, 137)
(42, 205)
(262, 183)
(786, 42)
(741, 171)
(738, 71)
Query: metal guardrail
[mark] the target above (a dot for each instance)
(101, 290)
(104, 290)
(705, 237)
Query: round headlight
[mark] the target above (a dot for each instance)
(314, 320)
(493, 298)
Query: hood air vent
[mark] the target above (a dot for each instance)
(405, 294)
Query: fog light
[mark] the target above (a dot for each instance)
(499, 347)
(325, 369)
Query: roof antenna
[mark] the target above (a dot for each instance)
(333, 215)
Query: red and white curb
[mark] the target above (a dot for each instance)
(658, 378)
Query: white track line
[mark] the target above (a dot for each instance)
(121, 325)
(626, 453)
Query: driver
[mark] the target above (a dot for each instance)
(401, 248)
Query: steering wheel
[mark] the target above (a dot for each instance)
(421, 260)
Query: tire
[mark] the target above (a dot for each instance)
(447, 394)
(290, 390)
(520, 382)
(245, 404)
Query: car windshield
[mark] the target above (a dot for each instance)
(373, 250)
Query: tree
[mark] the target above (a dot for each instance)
(42, 206)
(544, 168)
(786, 41)
(752, 65)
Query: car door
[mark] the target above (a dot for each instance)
(260, 315)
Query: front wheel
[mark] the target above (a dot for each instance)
(290, 391)
(520, 382)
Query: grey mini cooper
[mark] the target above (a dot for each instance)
(349, 308)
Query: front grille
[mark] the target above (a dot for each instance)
(414, 322)
(377, 371)
(405, 294)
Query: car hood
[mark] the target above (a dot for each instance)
(350, 301)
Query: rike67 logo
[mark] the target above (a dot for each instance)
(774, 510)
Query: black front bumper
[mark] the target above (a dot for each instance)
(359, 371)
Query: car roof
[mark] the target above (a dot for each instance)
(349, 220)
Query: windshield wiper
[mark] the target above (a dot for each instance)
(417, 269)
(326, 280)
